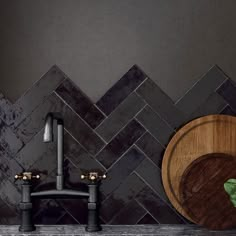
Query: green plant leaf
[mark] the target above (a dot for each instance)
(230, 188)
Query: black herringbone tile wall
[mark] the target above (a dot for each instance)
(124, 134)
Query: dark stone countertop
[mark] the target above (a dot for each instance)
(115, 230)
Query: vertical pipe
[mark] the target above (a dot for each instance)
(26, 224)
(60, 137)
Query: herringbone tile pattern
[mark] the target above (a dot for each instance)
(124, 134)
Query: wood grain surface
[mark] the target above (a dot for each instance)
(202, 191)
(205, 135)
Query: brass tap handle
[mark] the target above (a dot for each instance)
(26, 176)
(93, 176)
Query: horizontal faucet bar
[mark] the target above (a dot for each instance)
(60, 193)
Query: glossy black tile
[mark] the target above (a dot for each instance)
(201, 90)
(118, 199)
(76, 207)
(122, 141)
(130, 214)
(157, 207)
(121, 169)
(79, 156)
(155, 125)
(120, 117)
(126, 85)
(38, 92)
(67, 219)
(161, 103)
(80, 103)
(152, 148)
(73, 123)
(49, 213)
(8, 139)
(228, 92)
(147, 219)
(228, 111)
(214, 104)
(37, 150)
(152, 176)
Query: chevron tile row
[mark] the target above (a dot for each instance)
(125, 134)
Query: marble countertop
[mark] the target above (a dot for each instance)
(115, 230)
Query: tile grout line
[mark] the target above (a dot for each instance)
(115, 136)
(41, 78)
(167, 203)
(126, 151)
(83, 121)
(105, 116)
(159, 115)
(146, 210)
(147, 156)
(151, 134)
(146, 78)
(201, 77)
(133, 92)
(63, 100)
(220, 85)
(122, 128)
(93, 156)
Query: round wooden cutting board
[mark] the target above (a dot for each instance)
(202, 192)
(205, 135)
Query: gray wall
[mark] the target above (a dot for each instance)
(96, 42)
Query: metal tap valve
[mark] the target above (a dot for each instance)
(26, 176)
(93, 176)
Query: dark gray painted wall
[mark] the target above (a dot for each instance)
(96, 42)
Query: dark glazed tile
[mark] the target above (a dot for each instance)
(228, 92)
(129, 214)
(152, 175)
(49, 213)
(147, 219)
(40, 90)
(77, 208)
(152, 148)
(8, 139)
(8, 113)
(212, 105)
(120, 170)
(67, 219)
(72, 175)
(155, 125)
(201, 90)
(228, 111)
(8, 165)
(120, 197)
(8, 215)
(82, 132)
(30, 126)
(36, 150)
(127, 136)
(78, 155)
(80, 103)
(157, 207)
(126, 85)
(120, 117)
(73, 123)
(10, 194)
(161, 103)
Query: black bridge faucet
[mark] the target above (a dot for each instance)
(48, 137)
(94, 178)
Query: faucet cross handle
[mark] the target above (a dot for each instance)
(93, 176)
(26, 176)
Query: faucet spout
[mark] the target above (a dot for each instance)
(48, 137)
(48, 128)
